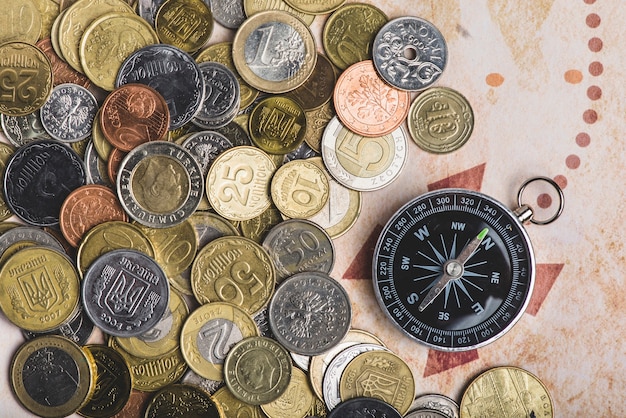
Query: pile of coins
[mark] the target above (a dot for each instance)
(182, 197)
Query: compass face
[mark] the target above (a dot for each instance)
(484, 294)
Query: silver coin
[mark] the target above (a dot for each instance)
(410, 53)
(261, 319)
(303, 152)
(148, 9)
(170, 71)
(78, 329)
(31, 234)
(205, 146)
(221, 96)
(364, 407)
(208, 385)
(228, 13)
(364, 171)
(160, 184)
(20, 130)
(125, 293)
(426, 413)
(69, 113)
(310, 313)
(434, 402)
(338, 364)
(300, 360)
(235, 134)
(95, 167)
(298, 245)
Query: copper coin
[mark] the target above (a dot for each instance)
(134, 114)
(62, 72)
(86, 207)
(113, 163)
(367, 105)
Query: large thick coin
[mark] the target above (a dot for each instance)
(125, 293)
(364, 407)
(182, 401)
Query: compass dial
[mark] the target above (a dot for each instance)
(454, 269)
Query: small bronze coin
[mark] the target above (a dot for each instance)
(182, 401)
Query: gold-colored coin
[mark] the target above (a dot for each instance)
(182, 282)
(318, 89)
(80, 146)
(238, 183)
(185, 24)
(149, 375)
(210, 226)
(440, 120)
(399, 390)
(236, 270)
(109, 236)
(233, 407)
(300, 189)
(49, 11)
(277, 125)
(113, 383)
(506, 392)
(77, 19)
(315, 7)
(100, 143)
(209, 333)
(252, 7)
(40, 289)
(257, 227)
(27, 78)
(349, 33)
(164, 337)
(316, 122)
(20, 21)
(296, 401)
(7, 225)
(257, 370)
(54, 35)
(14, 248)
(52, 376)
(223, 53)
(108, 41)
(274, 51)
(182, 401)
(6, 152)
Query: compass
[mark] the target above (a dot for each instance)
(454, 269)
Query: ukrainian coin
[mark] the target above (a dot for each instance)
(86, 207)
(49, 11)
(205, 146)
(238, 183)
(310, 313)
(316, 121)
(361, 377)
(365, 104)
(159, 184)
(21, 233)
(257, 370)
(210, 226)
(234, 408)
(108, 41)
(51, 376)
(95, 167)
(22, 61)
(299, 189)
(69, 113)
(210, 332)
(62, 72)
(426, 413)
(125, 293)
(132, 115)
(335, 369)
(20, 21)
(274, 51)
(235, 270)
(257, 227)
(228, 13)
(40, 289)
(21, 130)
(503, 391)
(170, 71)
(440, 120)
(349, 32)
(221, 96)
(182, 401)
(208, 385)
(409, 53)
(277, 125)
(364, 406)
(295, 402)
(252, 7)
(298, 245)
(434, 402)
(113, 383)
(185, 24)
(77, 329)
(108, 236)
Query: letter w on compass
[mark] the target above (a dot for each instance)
(125, 294)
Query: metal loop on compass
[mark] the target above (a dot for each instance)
(527, 207)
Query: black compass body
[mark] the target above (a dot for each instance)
(485, 293)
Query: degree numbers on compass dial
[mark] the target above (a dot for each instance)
(490, 289)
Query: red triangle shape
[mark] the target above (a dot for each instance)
(361, 266)
(545, 277)
(440, 361)
(471, 179)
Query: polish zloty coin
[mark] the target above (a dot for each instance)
(221, 96)
(20, 130)
(205, 146)
(435, 402)
(69, 113)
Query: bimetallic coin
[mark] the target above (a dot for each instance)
(349, 32)
(235, 270)
(170, 71)
(221, 96)
(434, 402)
(21, 130)
(409, 53)
(367, 105)
(23, 61)
(257, 370)
(364, 406)
(205, 146)
(125, 293)
(228, 13)
(182, 401)
(20, 21)
(310, 313)
(77, 329)
(113, 383)
(160, 184)
(502, 391)
(295, 402)
(274, 51)
(299, 189)
(298, 245)
(69, 113)
(360, 162)
(210, 332)
(40, 289)
(238, 183)
(186, 24)
(277, 125)
(234, 408)
(440, 120)
(52, 377)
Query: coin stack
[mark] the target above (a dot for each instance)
(182, 197)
